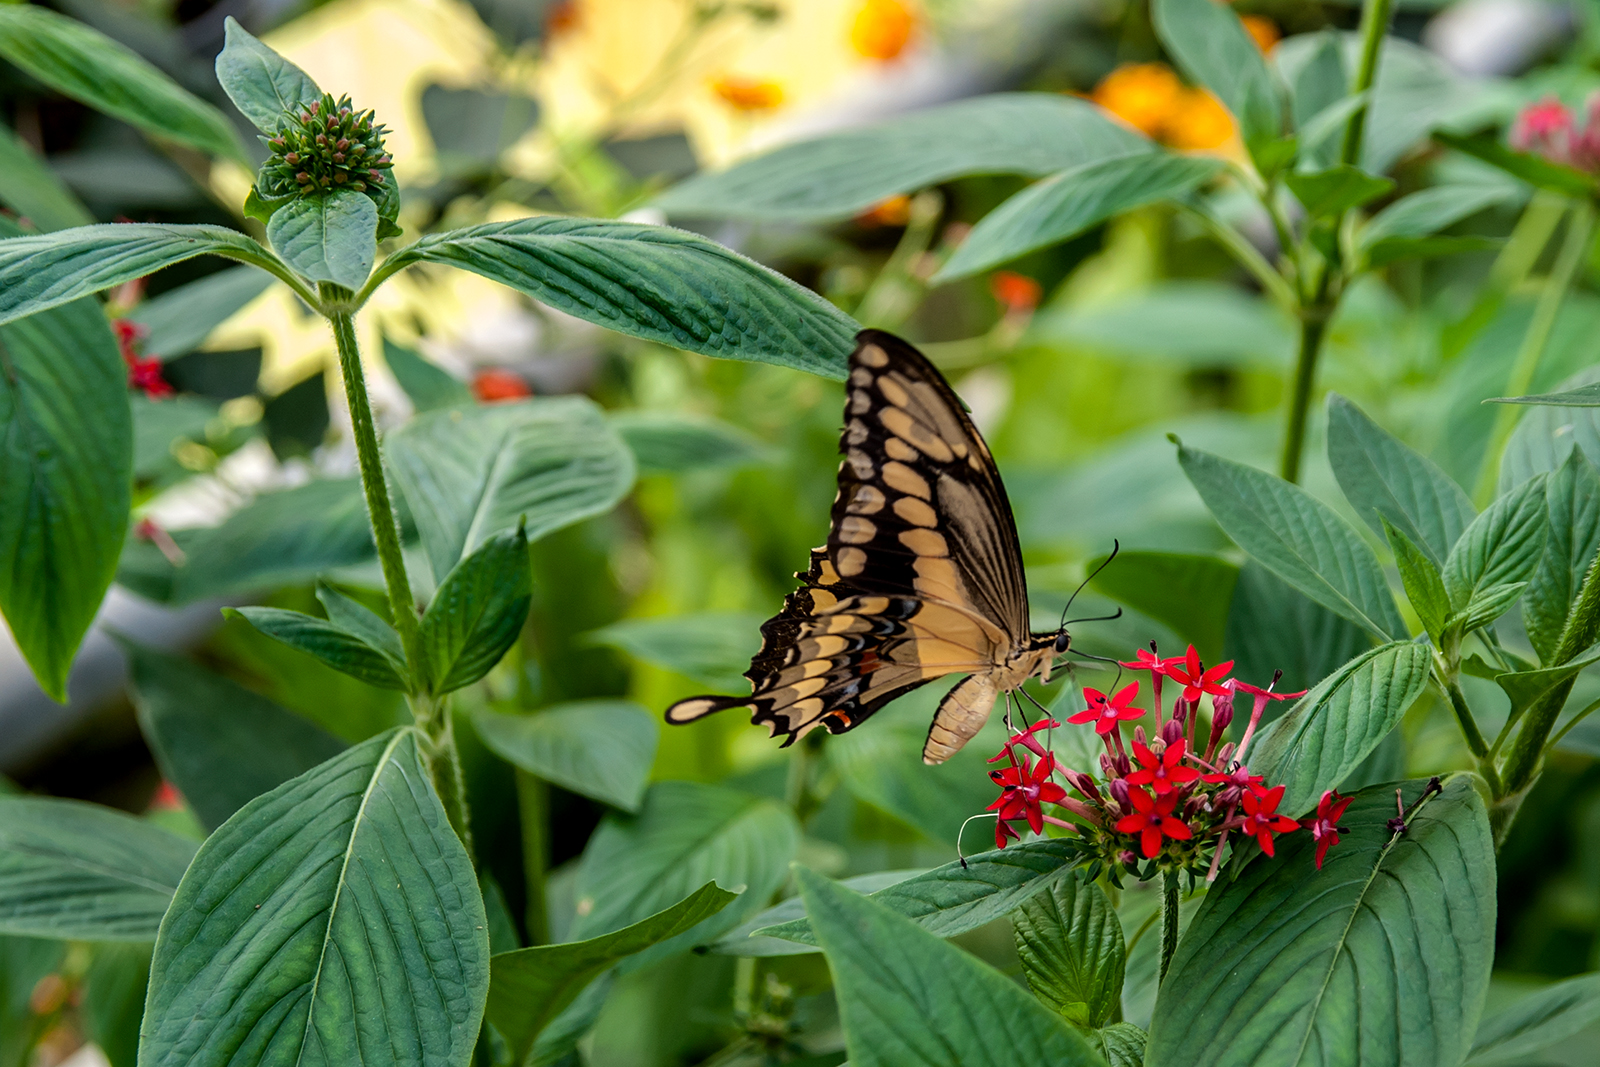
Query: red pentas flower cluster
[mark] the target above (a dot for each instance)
(144, 372)
(1550, 129)
(1166, 799)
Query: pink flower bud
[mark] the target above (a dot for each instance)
(1544, 129)
(1172, 731)
(1082, 783)
(1128, 859)
(1221, 712)
(1119, 791)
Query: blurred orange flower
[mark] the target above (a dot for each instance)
(1015, 292)
(748, 94)
(890, 211)
(1198, 122)
(1150, 98)
(491, 386)
(1262, 30)
(882, 29)
(561, 17)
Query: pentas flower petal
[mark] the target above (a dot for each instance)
(1003, 833)
(1162, 772)
(1105, 712)
(1027, 740)
(1146, 660)
(1195, 680)
(1324, 824)
(1152, 819)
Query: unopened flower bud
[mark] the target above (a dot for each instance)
(1119, 791)
(341, 177)
(302, 177)
(1221, 712)
(1106, 766)
(322, 140)
(1172, 731)
(1128, 859)
(1138, 735)
(1082, 783)
(343, 145)
(1224, 754)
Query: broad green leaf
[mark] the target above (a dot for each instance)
(743, 940)
(82, 872)
(1211, 47)
(1320, 82)
(1545, 436)
(712, 648)
(843, 174)
(46, 270)
(1067, 203)
(1335, 190)
(531, 986)
(1585, 396)
(953, 899)
(429, 386)
(469, 475)
(348, 888)
(364, 624)
(1069, 940)
(280, 538)
(1526, 687)
(1428, 211)
(1189, 593)
(220, 744)
(906, 997)
(684, 835)
(261, 83)
(1487, 605)
(65, 480)
(1398, 249)
(655, 282)
(1189, 323)
(1535, 170)
(600, 748)
(664, 442)
(90, 67)
(1420, 576)
(1502, 546)
(113, 999)
(1122, 1044)
(1572, 497)
(1384, 479)
(332, 644)
(1382, 956)
(1330, 730)
(32, 190)
(328, 238)
(1536, 1022)
(478, 612)
(1274, 627)
(1297, 537)
(180, 319)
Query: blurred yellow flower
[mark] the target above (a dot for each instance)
(882, 29)
(1150, 98)
(748, 94)
(1198, 122)
(1262, 30)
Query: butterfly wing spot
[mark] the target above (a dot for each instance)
(699, 707)
(915, 511)
(902, 478)
(860, 402)
(899, 422)
(872, 356)
(851, 562)
(895, 393)
(855, 530)
(861, 376)
(860, 463)
(869, 500)
(895, 448)
(925, 542)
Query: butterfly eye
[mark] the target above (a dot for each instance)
(1063, 639)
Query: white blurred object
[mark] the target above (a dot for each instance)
(1497, 37)
(87, 1056)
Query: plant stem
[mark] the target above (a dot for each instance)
(1313, 326)
(1580, 228)
(1239, 247)
(1169, 920)
(1469, 725)
(533, 809)
(1374, 25)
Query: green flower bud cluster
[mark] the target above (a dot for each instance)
(326, 146)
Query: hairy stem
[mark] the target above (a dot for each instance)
(1169, 919)
(1313, 326)
(1374, 25)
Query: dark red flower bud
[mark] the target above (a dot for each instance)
(338, 157)
(1128, 858)
(302, 177)
(322, 140)
(1119, 791)
(1172, 731)
(1221, 712)
(343, 145)
(1082, 783)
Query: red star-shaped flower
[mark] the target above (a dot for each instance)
(1261, 818)
(1106, 713)
(1152, 819)
(1026, 740)
(1024, 788)
(1324, 825)
(1235, 783)
(1162, 772)
(1146, 660)
(1187, 673)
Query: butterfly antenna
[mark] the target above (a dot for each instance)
(1095, 618)
(1102, 659)
(1116, 546)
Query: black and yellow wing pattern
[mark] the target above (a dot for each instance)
(921, 576)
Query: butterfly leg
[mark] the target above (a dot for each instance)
(961, 715)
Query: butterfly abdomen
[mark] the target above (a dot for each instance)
(961, 715)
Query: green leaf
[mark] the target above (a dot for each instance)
(906, 997)
(665, 442)
(65, 483)
(713, 648)
(1420, 576)
(332, 644)
(1428, 211)
(602, 749)
(364, 624)
(1189, 593)
(953, 899)
(1122, 1044)
(1535, 170)
(469, 475)
(1526, 687)
(220, 744)
(82, 872)
(1272, 626)
(428, 386)
(1192, 324)
(743, 940)
(684, 835)
(32, 190)
(1338, 189)
(531, 986)
(843, 174)
(1382, 956)
(261, 83)
(90, 67)
(1330, 730)
(1572, 497)
(279, 538)
(47, 270)
(1297, 537)
(180, 319)
(1502, 546)
(1487, 605)
(1585, 396)
(1398, 249)
(1385, 480)
(1536, 1022)
(478, 612)
(1211, 46)
(1069, 202)
(1070, 943)
(332, 237)
(654, 282)
(349, 888)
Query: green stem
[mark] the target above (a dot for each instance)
(1469, 725)
(533, 809)
(449, 779)
(1576, 719)
(1240, 248)
(1374, 25)
(1313, 327)
(1575, 246)
(1169, 920)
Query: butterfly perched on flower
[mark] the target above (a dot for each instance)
(921, 576)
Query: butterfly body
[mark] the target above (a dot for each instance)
(921, 576)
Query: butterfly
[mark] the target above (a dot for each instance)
(921, 576)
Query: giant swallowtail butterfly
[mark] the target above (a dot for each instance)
(921, 576)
